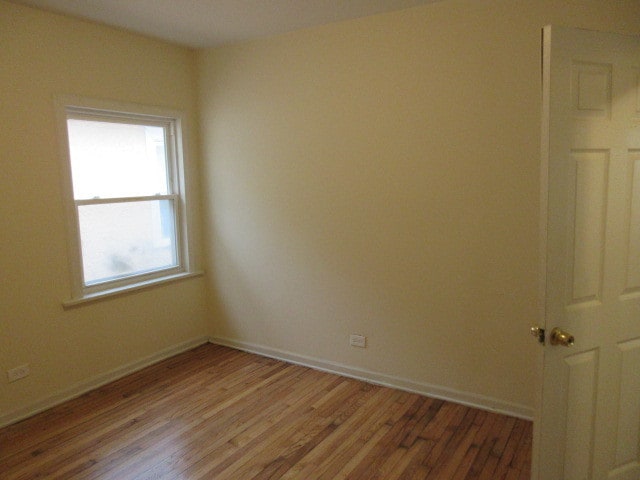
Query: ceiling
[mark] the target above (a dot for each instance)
(209, 23)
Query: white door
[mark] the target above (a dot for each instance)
(589, 426)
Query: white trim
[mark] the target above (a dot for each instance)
(109, 201)
(79, 102)
(97, 381)
(131, 287)
(434, 391)
(542, 241)
(73, 235)
(463, 398)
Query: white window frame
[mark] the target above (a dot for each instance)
(90, 109)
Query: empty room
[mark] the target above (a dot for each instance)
(312, 239)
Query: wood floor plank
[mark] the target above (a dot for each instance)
(325, 460)
(220, 436)
(112, 425)
(215, 412)
(371, 465)
(91, 405)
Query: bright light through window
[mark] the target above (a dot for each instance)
(123, 239)
(116, 159)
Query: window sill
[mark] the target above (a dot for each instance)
(114, 292)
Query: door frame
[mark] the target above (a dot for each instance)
(545, 64)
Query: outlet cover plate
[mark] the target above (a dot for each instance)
(18, 372)
(359, 341)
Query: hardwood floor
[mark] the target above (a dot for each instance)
(217, 413)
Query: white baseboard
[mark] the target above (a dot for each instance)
(97, 381)
(434, 391)
(464, 398)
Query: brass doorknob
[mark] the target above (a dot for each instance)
(560, 337)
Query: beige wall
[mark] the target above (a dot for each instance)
(42, 55)
(380, 176)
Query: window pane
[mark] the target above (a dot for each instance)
(123, 239)
(110, 159)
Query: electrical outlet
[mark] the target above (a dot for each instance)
(18, 372)
(359, 341)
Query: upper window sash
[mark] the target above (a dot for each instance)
(137, 158)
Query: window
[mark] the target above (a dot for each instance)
(126, 199)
